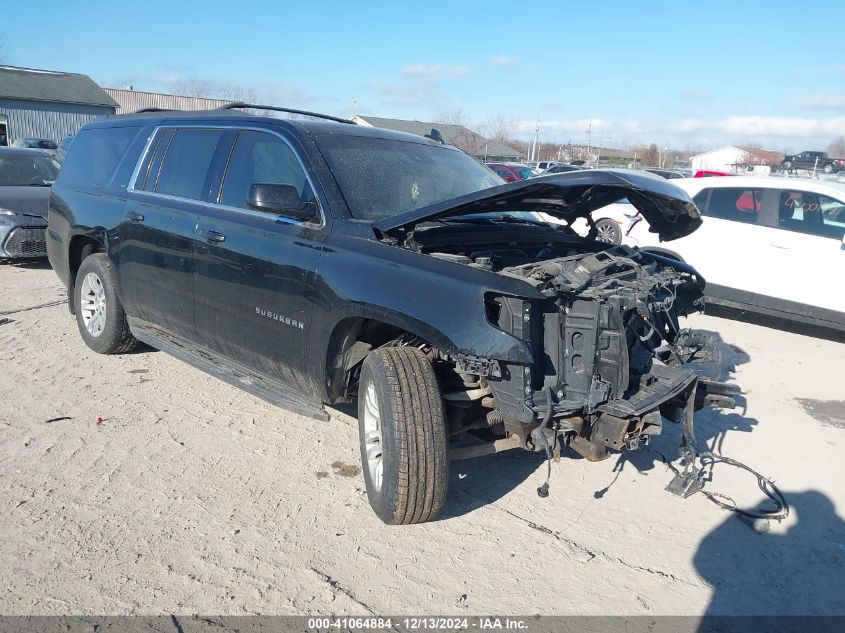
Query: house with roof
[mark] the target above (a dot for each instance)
(734, 158)
(472, 143)
(48, 104)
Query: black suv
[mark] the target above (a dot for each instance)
(314, 261)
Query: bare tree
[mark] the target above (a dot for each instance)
(837, 147)
(204, 87)
(452, 117)
(651, 156)
(502, 130)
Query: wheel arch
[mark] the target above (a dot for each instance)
(80, 247)
(373, 330)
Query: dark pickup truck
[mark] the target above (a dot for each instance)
(812, 160)
(314, 261)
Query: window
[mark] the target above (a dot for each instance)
(504, 172)
(25, 170)
(261, 157)
(184, 170)
(811, 213)
(95, 154)
(381, 177)
(730, 203)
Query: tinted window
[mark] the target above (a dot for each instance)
(382, 177)
(261, 157)
(504, 172)
(27, 170)
(811, 213)
(730, 203)
(184, 170)
(525, 172)
(95, 154)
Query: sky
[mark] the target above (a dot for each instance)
(679, 74)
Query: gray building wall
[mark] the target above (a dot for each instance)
(45, 119)
(134, 100)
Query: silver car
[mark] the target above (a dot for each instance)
(26, 176)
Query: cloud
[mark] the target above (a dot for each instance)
(551, 126)
(764, 126)
(436, 70)
(503, 61)
(823, 102)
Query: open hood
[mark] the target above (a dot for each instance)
(668, 209)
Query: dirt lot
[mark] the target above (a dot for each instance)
(194, 497)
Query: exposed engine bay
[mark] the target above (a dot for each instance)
(610, 353)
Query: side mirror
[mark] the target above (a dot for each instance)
(280, 199)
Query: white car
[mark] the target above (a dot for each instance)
(767, 245)
(611, 222)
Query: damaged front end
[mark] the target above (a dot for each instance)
(609, 350)
(610, 360)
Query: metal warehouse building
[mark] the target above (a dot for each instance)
(48, 104)
(134, 100)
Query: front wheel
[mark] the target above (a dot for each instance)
(828, 169)
(787, 165)
(402, 427)
(99, 313)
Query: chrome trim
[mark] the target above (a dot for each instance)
(280, 219)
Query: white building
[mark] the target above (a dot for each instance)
(735, 159)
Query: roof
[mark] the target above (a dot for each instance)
(30, 84)
(299, 124)
(453, 134)
(23, 151)
(764, 155)
(824, 187)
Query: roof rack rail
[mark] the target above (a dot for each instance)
(240, 104)
(152, 109)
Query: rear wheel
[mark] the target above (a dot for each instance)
(99, 313)
(787, 165)
(828, 169)
(402, 430)
(608, 231)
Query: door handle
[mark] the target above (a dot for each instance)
(135, 216)
(212, 237)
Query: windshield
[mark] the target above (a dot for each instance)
(525, 172)
(381, 177)
(23, 170)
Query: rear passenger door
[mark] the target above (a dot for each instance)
(254, 271)
(734, 239)
(810, 240)
(157, 235)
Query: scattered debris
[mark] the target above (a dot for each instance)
(346, 470)
(59, 419)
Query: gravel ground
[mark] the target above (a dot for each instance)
(194, 497)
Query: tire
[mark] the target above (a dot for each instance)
(99, 313)
(402, 424)
(828, 169)
(787, 165)
(608, 231)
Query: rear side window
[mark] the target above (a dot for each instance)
(739, 204)
(95, 154)
(184, 170)
(811, 213)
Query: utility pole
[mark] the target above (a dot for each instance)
(534, 156)
(589, 138)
